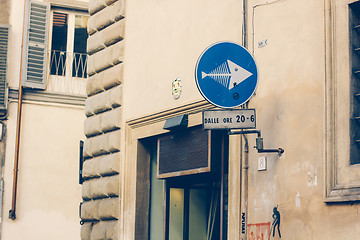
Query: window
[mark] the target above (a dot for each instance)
(342, 153)
(68, 57)
(59, 64)
(68, 43)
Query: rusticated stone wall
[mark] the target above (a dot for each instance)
(100, 192)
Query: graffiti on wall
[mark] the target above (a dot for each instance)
(259, 231)
(276, 222)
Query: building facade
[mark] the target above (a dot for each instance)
(306, 103)
(43, 63)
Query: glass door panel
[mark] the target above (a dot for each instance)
(176, 217)
(156, 202)
(198, 214)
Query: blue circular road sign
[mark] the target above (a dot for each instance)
(226, 74)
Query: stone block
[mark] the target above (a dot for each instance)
(98, 103)
(104, 187)
(87, 153)
(112, 230)
(95, 43)
(86, 190)
(91, 27)
(113, 33)
(95, 84)
(111, 185)
(98, 231)
(91, 66)
(96, 5)
(118, 10)
(92, 126)
(100, 145)
(117, 52)
(95, 188)
(109, 208)
(89, 210)
(114, 141)
(109, 164)
(113, 76)
(103, 59)
(111, 120)
(115, 96)
(90, 168)
(85, 231)
(89, 107)
(102, 19)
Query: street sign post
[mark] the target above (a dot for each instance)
(226, 74)
(229, 119)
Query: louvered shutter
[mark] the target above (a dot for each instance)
(4, 60)
(35, 46)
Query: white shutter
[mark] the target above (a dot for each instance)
(4, 61)
(35, 46)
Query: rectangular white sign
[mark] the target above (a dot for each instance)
(229, 119)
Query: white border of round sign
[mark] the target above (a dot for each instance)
(254, 73)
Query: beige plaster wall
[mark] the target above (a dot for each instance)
(48, 193)
(290, 104)
(164, 40)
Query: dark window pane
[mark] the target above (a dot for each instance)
(80, 40)
(58, 45)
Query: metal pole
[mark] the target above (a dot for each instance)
(244, 189)
(222, 188)
(12, 212)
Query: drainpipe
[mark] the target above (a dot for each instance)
(12, 212)
(244, 188)
(244, 158)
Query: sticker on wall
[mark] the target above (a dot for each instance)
(176, 88)
(276, 222)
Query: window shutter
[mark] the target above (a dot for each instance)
(4, 59)
(35, 45)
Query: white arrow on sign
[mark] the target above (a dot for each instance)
(228, 74)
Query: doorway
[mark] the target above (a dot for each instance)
(193, 207)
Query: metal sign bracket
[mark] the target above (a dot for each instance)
(259, 141)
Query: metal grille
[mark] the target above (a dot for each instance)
(4, 46)
(354, 20)
(184, 153)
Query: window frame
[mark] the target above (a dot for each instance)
(342, 180)
(72, 13)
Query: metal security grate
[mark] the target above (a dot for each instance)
(4, 49)
(184, 153)
(354, 20)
